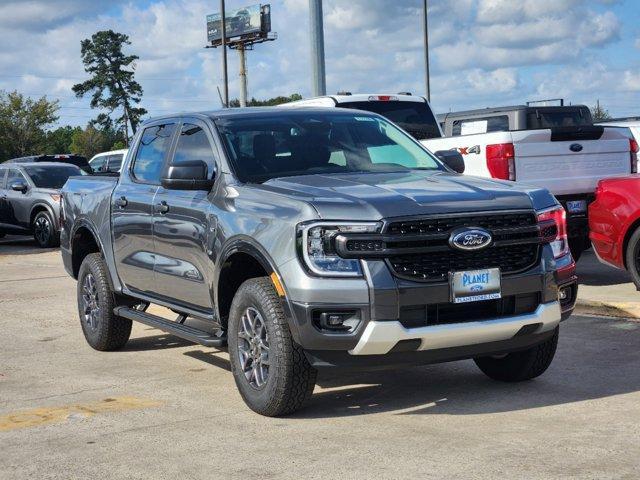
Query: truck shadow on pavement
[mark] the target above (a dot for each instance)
(596, 359)
(591, 272)
(14, 245)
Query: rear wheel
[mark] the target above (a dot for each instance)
(632, 257)
(270, 370)
(520, 366)
(102, 329)
(44, 231)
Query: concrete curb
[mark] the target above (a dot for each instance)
(608, 309)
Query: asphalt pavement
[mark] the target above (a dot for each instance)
(164, 408)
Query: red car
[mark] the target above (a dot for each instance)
(614, 223)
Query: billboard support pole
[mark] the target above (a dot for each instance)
(243, 75)
(224, 56)
(316, 30)
(426, 51)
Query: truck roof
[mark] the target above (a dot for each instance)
(508, 108)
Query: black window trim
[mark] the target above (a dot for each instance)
(168, 152)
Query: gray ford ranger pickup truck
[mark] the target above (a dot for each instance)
(309, 238)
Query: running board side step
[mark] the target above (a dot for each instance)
(179, 330)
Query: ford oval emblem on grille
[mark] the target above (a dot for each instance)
(575, 147)
(470, 239)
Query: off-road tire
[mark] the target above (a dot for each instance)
(520, 366)
(111, 332)
(53, 238)
(632, 257)
(291, 379)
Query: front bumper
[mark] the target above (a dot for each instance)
(384, 303)
(381, 337)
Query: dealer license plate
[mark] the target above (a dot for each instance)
(475, 285)
(577, 206)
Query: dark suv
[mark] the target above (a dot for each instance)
(77, 160)
(30, 199)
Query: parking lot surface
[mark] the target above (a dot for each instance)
(164, 408)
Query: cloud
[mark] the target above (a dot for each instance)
(483, 52)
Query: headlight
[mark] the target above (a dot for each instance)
(316, 242)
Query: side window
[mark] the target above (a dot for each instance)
(3, 178)
(14, 176)
(193, 144)
(499, 123)
(152, 148)
(98, 164)
(115, 162)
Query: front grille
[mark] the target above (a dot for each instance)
(446, 224)
(436, 266)
(416, 316)
(515, 247)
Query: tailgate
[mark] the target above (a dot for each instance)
(570, 160)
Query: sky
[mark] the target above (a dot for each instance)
(483, 52)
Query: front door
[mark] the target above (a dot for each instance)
(132, 209)
(15, 209)
(184, 225)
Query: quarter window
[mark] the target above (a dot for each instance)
(3, 176)
(193, 144)
(152, 149)
(14, 176)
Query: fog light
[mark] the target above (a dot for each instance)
(337, 321)
(563, 294)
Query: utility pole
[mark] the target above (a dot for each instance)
(224, 55)
(426, 49)
(243, 75)
(316, 29)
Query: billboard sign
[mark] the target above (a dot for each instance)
(243, 21)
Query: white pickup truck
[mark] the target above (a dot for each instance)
(558, 148)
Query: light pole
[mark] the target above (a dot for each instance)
(224, 55)
(316, 30)
(426, 49)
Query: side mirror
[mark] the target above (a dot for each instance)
(19, 187)
(189, 175)
(452, 159)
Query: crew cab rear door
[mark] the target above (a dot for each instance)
(183, 222)
(570, 160)
(132, 208)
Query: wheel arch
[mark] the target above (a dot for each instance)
(83, 241)
(240, 260)
(42, 207)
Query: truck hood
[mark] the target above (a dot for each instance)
(372, 196)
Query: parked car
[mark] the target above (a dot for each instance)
(30, 199)
(614, 220)
(107, 162)
(633, 124)
(312, 238)
(77, 160)
(557, 148)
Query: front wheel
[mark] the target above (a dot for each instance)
(44, 231)
(520, 366)
(270, 370)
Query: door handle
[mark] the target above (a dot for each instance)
(162, 207)
(121, 202)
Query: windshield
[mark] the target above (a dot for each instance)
(303, 143)
(415, 117)
(52, 176)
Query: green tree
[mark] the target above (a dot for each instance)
(23, 121)
(599, 113)
(112, 84)
(59, 140)
(269, 102)
(90, 141)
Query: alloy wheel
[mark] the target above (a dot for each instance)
(90, 306)
(42, 229)
(253, 348)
